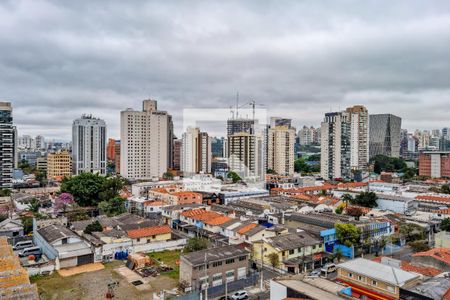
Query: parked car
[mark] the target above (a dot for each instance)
(239, 295)
(36, 251)
(315, 273)
(329, 268)
(22, 245)
(225, 298)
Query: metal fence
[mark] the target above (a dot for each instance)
(217, 291)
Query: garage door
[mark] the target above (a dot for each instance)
(85, 259)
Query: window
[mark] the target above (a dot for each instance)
(138, 240)
(350, 275)
(216, 264)
(360, 278)
(229, 261)
(241, 258)
(230, 273)
(314, 247)
(374, 282)
(217, 276)
(390, 288)
(291, 251)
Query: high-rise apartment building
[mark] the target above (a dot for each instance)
(335, 146)
(240, 125)
(39, 141)
(59, 165)
(280, 149)
(359, 137)
(177, 146)
(146, 142)
(245, 155)
(384, 135)
(196, 152)
(306, 136)
(111, 150)
(434, 164)
(6, 145)
(89, 145)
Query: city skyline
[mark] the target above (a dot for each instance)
(193, 56)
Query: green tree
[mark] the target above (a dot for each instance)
(419, 246)
(270, 171)
(339, 210)
(445, 224)
(27, 223)
(196, 244)
(338, 255)
(113, 207)
(234, 176)
(409, 173)
(366, 199)
(347, 234)
(384, 163)
(5, 192)
(33, 205)
(346, 198)
(445, 189)
(111, 188)
(93, 227)
(412, 232)
(300, 166)
(85, 188)
(274, 259)
(168, 175)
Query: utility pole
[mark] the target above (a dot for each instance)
(261, 285)
(207, 279)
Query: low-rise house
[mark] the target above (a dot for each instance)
(308, 288)
(11, 228)
(438, 258)
(204, 219)
(153, 207)
(396, 204)
(63, 245)
(150, 234)
(212, 267)
(171, 214)
(375, 280)
(296, 252)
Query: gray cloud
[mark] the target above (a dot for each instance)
(59, 59)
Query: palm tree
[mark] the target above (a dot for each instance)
(346, 198)
(34, 205)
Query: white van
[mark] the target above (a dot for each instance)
(328, 268)
(30, 251)
(22, 245)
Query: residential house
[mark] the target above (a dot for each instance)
(147, 235)
(214, 267)
(437, 257)
(296, 252)
(374, 280)
(63, 245)
(11, 228)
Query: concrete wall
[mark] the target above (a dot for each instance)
(160, 246)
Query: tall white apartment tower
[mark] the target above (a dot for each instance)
(195, 152)
(146, 142)
(280, 149)
(359, 137)
(335, 146)
(6, 145)
(89, 145)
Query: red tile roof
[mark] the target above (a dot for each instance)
(441, 254)
(247, 228)
(193, 212)
(208, 217)
(433, 198)
(148, 231)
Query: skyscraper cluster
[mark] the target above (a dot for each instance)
(350, 138)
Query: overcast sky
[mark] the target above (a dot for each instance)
(60, 59)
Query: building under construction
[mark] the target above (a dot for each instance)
(14, 280)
